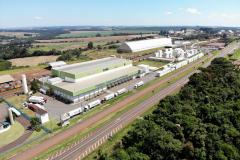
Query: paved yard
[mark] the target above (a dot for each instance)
(56, 108)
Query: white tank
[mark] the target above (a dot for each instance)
(10, 116)
(24, 84)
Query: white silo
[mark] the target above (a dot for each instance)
(24, 84)
(160, 53)
(10, 116)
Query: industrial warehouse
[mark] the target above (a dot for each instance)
(142, 45)
(83, 81)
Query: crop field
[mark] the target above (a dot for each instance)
(92, 39)
(32, 61)
(83, 34)
(17, 34)
(62, 46)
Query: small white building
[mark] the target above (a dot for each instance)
(43, 117)
(41, 114)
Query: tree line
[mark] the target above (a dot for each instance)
(201, 122)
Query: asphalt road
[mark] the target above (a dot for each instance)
(80, 149)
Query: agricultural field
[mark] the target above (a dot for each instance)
(62, 46)
(85, 34)
(92, 39)
(32, 61)
(18, 34)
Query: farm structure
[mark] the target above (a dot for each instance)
(83, 81)
(7, 82)
(142, 45)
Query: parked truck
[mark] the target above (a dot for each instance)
(141, 83)
(37, 99)
(108, 97)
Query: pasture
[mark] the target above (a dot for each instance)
(32, 61)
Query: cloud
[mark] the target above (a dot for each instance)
(38, 18)
(168, 13)
(193, 11)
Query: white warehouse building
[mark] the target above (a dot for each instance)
(142, 45)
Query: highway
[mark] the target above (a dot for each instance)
(81, 148)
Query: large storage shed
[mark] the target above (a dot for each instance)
(142, 45)
(86, 80)
(74, 72)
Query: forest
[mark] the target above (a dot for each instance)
(201, 122)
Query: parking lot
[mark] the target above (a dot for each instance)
(56, 108)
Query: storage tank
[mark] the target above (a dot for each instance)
(24, 84)
(10, 116)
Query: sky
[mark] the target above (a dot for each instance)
(38, 13)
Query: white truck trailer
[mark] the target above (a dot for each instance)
(75, 112)
(37, 99)
(141, 83)
(94, 104)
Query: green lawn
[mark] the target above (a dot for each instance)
(22, 69)
(12, 134)
(235, 55)
(152, 63)
(57, 46)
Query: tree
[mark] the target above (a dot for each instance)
(4, 65)
(35, 124)
(35, 86)
(50, 92)
(90, 45)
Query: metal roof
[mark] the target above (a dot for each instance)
(136, 46)
(56, 64)
(107, 76)
(86, 66)
(6, 78)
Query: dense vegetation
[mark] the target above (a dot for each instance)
(4, 65)
(201, 122)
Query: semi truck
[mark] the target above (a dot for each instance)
(37, 99)
(141, 83)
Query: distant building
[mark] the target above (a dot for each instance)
(215, 46)
(142, 45)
